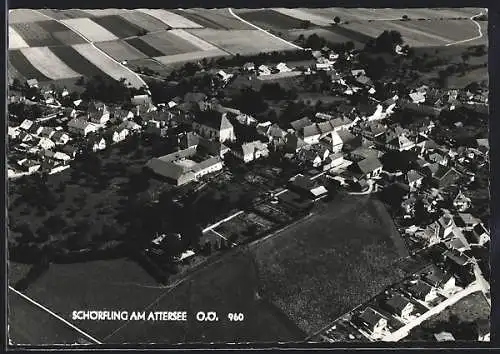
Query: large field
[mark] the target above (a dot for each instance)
(219, 19)
(331, 262)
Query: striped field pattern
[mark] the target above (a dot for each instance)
(15, 40)
(171, 19)
(89, 29)
(48, 63)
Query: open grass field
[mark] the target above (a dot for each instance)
(329, 263)
(24, 67)
(269, 19)
(143, 20)
(61, 32)
(15, 40)
(452, 30)
(191, 56)
(48, 63)
(242, 42)
(89, 29)
(227, 286)
(167, 43)
(64, 14)
(120, 50)
(117, 25)
(219, 19)
(25, 16)
(169, 18)
(29, 324)
(107, 65)
(194, 40)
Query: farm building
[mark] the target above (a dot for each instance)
(214, 125)
(373, 320)
(81, 127)
(251, 151)
(400, 306)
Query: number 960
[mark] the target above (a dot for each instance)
(236, 316)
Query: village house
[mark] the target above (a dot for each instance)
(145, 108)
(275, 134)
(13, 132)
(313, 156)
(414, 180)
(466, 221)
(224, 76)
(46, 144)
(333, 161)
(479, 234)
(98, 113)
(438, 278)
(132, 126)
(46, 132)
(369, 168)
(249, 66)
(31, 83)
(213, 147)
(417, 97)
(307, 187)
(400, 306)
(184, 166)
(483, 330)
(444, 337)
(293, 143)
(81, 127)
(333, 142)
(461, 202)
(299, 124)
(96, 143)
(120, 115)
(399, 143)
(119, 134)
(264, 70)
(311, 134)
(422, 291)
(60, 137)
(370, 130)
(140, 99)
(26, 125)
(341, 124)
(283, 68)
(374, 321)
(70, 150)
(24, 137)
(445, 177)
(214, 125)
(28, 165)
(251, 151)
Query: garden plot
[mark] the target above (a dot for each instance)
(167, 43)
(274, 213)
(302, 15)
(90, 30)
(15, 40)
(242, 41)
(118, 26)
(24, 67)
(170, 18)
(35, 35)
(143, 20)
(25, 16)
(120, 50)
(108, 65)
(48, 63)
(214, 18)
(185, 57)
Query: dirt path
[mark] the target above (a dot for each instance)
(478, 25)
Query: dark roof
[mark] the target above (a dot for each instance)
(370, 317)
(420, 289)
(369, 165)
(397, 302)
(413, 176)
(456, 257)
(301, 123)
(213, 119)
(78, 123)
(58, 134)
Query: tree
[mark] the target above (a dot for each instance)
(305, 24)
(301, 38)
(80, 81)
(336, 20)
(405, 18)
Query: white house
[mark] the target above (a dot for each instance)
(311, 134)
(249, 66)
(224, 76)
(26, 124)
(46, 143)
(98, 113)
(251, 151)
(374, 321)
(81, 127)
(97, 143)
(283, 68)
(13, 132)
(264, 70)
(60, 138)
(378, 114)
(62, 156)
(417, 97)
(120, 134)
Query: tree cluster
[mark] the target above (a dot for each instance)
(386, 42)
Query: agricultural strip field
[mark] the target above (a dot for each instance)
(327, 264)
(24, 67)
(143, 20)
(270, 19)
(219, 19)
(15, 40)
(243, 41)
(48, 63)
(105, 12)
(118, 26)
(302, 15)
(229, 285)
(362, 14)
(36, 34)
(142, 46)
(25, 15)
(13, 73)
(90, 30)
(28, 324)
(64, 14)
(169, 18)
(194, 40)
(329, 35)
(453, 30)
(120, 50)
(351, 34)
(185, 57)
(166, 43)
(77, 62)
(108, 65)
(149, 63)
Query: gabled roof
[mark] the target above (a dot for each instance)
(78, 123)
(371, 317)
(213, 119)
(300, 124)
(398, 302)
(325, 127)
(340, 122)
(420, 289)
(369, 165)
(310, 130)
(413, 176)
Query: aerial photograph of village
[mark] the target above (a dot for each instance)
(237, 175)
